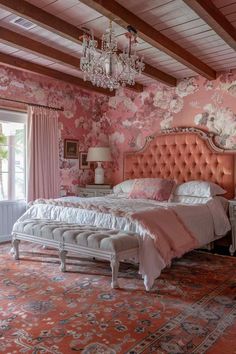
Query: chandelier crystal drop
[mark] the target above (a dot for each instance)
(106, 67)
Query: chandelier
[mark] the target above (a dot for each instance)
(106, 67)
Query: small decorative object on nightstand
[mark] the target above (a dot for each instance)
(95, 190)
(232, 215)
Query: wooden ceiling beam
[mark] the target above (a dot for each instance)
(28, 66)
(159, 75)
(42, 18)
(123, 17)
(71, 32)
(22, 42)
(215, 19)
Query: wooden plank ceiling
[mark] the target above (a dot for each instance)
(177, 38)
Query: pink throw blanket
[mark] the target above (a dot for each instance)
(171, 237)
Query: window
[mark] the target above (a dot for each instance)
(12, 155)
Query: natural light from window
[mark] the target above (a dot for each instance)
(12, 157)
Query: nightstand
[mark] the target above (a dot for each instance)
(232, 216)
(94, 192)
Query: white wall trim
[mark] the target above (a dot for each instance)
(13, 116)
(5, 238)
(10, 211)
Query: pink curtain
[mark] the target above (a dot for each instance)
(42, 153)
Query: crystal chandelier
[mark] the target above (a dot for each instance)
(106, 67)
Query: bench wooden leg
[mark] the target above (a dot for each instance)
(115, 269)
(62, 256)
(15, 245)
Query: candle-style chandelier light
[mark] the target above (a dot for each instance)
(106, 67)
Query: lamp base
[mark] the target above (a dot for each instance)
(99, 174)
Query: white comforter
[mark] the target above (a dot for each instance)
(207, 222)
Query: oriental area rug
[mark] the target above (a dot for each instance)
(191, 309)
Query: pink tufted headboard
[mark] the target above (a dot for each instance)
(182, 154)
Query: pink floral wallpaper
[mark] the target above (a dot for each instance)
(131, 117)
(82, 110)
(124, 120)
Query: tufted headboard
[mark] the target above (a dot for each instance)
(182, 154)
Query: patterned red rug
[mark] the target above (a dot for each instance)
(192, 308)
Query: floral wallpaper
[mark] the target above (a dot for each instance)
(82, 109)
(131, 117)
(126, 119)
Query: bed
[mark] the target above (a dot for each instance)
(184, 154)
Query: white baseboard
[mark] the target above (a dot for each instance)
(5, 238)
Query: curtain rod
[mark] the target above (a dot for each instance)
(32, 104)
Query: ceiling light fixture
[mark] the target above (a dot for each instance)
(106, 67)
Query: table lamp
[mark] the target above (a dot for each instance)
(99, 155)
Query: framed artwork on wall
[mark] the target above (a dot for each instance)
(83, 163)
(70, 149)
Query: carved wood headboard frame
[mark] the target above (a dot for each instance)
(183, 154)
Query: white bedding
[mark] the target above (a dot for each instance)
(207, 222)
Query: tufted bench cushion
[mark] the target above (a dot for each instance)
(81, 235)
(114, 245)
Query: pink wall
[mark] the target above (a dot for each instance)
(126, 119)
(130, 117)
(83, 110)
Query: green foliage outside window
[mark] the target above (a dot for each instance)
(3, 150)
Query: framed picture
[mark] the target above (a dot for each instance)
(83, 163)
(70, 149)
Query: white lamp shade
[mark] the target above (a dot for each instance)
(99, 154)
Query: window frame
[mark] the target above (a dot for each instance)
(8, 116)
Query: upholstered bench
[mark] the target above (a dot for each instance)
(86, 240)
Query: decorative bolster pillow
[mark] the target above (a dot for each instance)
(152, 188)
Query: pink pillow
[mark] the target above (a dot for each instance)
(152, 188)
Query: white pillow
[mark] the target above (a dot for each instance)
(199, 189)
(124, 187)
(189, 200)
